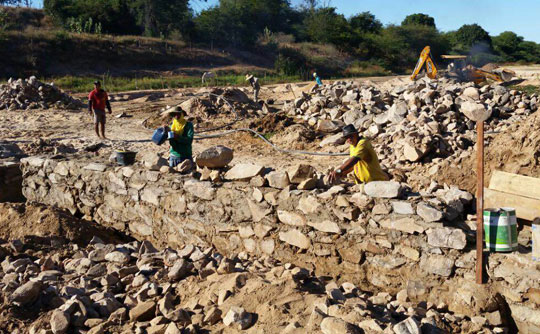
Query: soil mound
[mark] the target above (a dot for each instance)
(18, 221)
(271, 123)
(515, 150)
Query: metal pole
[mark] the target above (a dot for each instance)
(480, 203)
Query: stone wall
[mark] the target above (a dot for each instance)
(10, 182)
(382, 237)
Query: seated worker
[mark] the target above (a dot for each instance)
(363, 159)
(317, 79)
(180, 136)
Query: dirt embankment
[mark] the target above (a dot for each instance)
(53, 53)
(20, 221)
(516, 150)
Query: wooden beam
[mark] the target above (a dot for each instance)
(480, 203)
(526, 208)
(515, 184)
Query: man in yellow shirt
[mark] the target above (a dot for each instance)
(363, 159)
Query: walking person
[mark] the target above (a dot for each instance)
(97, 101)
(254, 82)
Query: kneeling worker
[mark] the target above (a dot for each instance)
(363, 159)
(180, 137)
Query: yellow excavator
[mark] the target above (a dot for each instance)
(425, 59)
(459, 69)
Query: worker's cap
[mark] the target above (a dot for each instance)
(177, 110)
(314, 74)
(249, 77)
(349, 130)
(97, 82)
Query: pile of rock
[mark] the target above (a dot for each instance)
(135, 288)
(210, 102)
(416, 121)
(26, 94)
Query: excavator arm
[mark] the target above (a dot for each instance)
(425, 58)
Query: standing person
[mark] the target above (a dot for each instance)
(97, 101)
(180, 136)
(363, 159)
(254, 82)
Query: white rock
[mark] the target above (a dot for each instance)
(331, 325)
(243, 172)
(447, 237)
(383, 189)
(238, 317)
(295, 238)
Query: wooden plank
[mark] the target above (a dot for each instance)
(515, 184)
(526, 208)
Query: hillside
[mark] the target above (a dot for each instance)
(51, 53)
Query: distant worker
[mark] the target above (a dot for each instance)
(180, 136)
(254, 82)
(318, 83)
(97, 101)
(207, 76)
(317, 79)
(363, 159)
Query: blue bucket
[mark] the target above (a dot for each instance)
(159, 136)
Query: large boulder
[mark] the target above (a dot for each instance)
(27, 293)
(475, 111)
(214, 157)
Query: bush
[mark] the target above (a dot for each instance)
(290, 62)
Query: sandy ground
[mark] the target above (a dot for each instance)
(128, 133)
(76, 127)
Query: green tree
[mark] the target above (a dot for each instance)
(324, 25)
(471, 34)
(209, 26)
(365, 22)
(398, 47)
(507, 45)
(419, 19)
(240, 22)
(528, 51)
(161, 17)
(114, 16)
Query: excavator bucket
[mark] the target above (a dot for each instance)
(431, 70)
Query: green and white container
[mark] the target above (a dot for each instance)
(500, 229)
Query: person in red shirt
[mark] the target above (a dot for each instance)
(97, 101)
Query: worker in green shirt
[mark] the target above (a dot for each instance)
(180, 136)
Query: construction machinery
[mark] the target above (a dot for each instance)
(425, 59)
(458, 68)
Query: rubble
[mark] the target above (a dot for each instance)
(412, 122)
(27, 94)
(250, 248)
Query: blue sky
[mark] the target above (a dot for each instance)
(495, 16)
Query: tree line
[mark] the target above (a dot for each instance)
(251, 24)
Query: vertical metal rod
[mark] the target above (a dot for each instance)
(480, 203)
